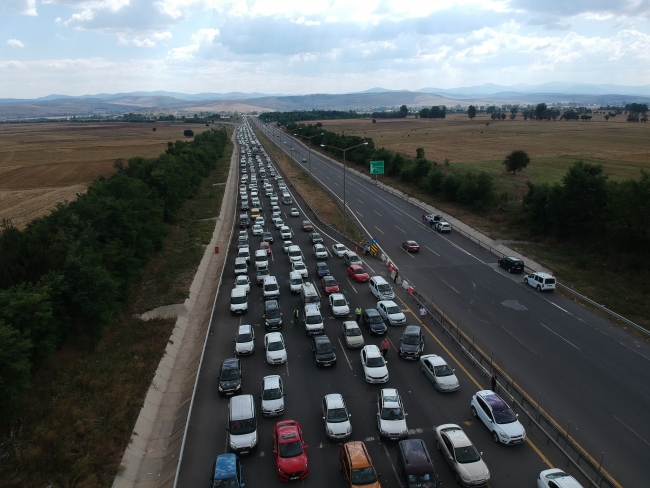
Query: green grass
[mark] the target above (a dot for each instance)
(79, 414)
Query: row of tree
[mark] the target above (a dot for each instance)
(439, 112)
(285, 118)
(394, 114)
(68, 272)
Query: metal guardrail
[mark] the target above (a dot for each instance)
(582, 466)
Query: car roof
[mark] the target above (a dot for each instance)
(270, 279)
(416, 457)
(334, 400)
(312, 308)
(272, 381)
(321, 265)
(268, 304)
(379, 280)
(275, 336)
(357, 454)
(456, 435)
(434, 359)
(244, 328)
(543, 275)
(388, 303)
(356, 267)
(350, 324)
(412, 329)
(294, 274)
(322, 338)
(492, 399)
(337, 295)
(371, 311)
(514, 258)
(288, 431)
(372, 350)
(225, 467)
(230, 363)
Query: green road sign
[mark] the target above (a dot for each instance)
(376, 167)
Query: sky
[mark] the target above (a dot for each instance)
(78, 47)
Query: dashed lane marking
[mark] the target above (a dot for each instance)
(434, 252)
(379, 229)
(565, 340)
(345, 354)
(450, 286)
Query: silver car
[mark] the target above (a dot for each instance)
(272, 396)
(439, 372)
(462, 456)
(336, 417)
(352, 334)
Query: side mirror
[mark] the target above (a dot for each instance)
(323, 418)
(275, 451)
(227, 430)
(454, 370)
(349, 415)
(517, 415)
(306, 446)
(481, 453)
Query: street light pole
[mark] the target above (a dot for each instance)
(344, 151)
(309, 149)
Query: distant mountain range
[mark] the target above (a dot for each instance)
(371, 99)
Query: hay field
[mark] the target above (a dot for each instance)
(622, 148)
(43, 164)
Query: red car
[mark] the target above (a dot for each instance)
(289, 449)
(306, 226)
(411, 246)
(357, 273)
(266, 246)
(329, 285)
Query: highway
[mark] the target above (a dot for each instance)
(587, 372)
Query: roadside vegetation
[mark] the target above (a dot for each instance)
(69, 412)
(597, 227)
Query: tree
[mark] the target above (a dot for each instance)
(425, 113)
(514, 110)
(491, 109)
(154, 129)
(320, 124)
(188, 133)
(539, 111)
(16, 368)
(503, 116)
(404, 110)
(516, 161)
(513, 116)
(471, 111)
(374, 121)
(606, 118)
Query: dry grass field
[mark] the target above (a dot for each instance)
(622, 148)
(43, 164)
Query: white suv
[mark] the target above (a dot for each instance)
(313, 320)
(391, 419)
(498, 417)
(389, 311)
(336, 417)
(540, 281)
(339, 305)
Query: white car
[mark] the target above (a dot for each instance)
(243, 281)
(278, 223)
(261, 221)
(257, 230)
(439, 372)
(336, 417)
(443, 227)
(295, 254)
(339, 250)
(374, 365)
(254, 192)
(300, 267)
(272, 396)
(556, 478)
(320, 251)
(462, 456)
(540, 281)
(286, 232)
(245, 340)
(352, 334)
(389, 311)
(276, 353)
(286, 245)
(391, 419)
(339, 305)
(295, 213)
(498, 417)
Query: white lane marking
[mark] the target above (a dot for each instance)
(568, 342)
(359, 200)
(344, 353)
(379, 229)
(401, 230)
(367, 265)
(317, 290)
(336, 184)
(287, 364)
(434, 252)
(450, 286)
(359, 213)
(407, 252)
(397, 211)
(391, 462)
(559, 307)
(377, 213)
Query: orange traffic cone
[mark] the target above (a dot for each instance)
(356, 250)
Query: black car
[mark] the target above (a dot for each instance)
(373, 321)
(315, 238)
(412, 342)
(511, 264)
(230, 377)
(272, 315)
(322, 269)
(323, 350)
(267, 237)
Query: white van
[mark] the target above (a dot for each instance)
(308, 294)
(244, 252)
(241, 266)
(295, 282)
(286, 199)
(271, 288)
(380, 288)
(350, 258)
(238, 300)
(261, 259)
(242, 424)
(295, 254)
(313, 320)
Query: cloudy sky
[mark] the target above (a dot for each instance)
(77, 47)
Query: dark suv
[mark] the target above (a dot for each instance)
(272, 315)
(412, 342)
(373, 321)
(511, 264)
(315, 238)
(323, 350)
(230, 377)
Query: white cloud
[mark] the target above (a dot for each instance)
(162, 36)
(20, 7)
(146, 42)
(57, 20)
(15, 43)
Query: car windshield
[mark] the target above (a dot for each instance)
(262, 272)
(330, 282)
(273, 314)
(238, 300)
(443, 370)
(353, 332)
(359, 271)
(392, 414)
(242, 280)
(420, 481)
(323, 347)
(393, 310)
(241, 427)
(465, 455)
(504, 415)
(276, 346)
(337, 415)
(261, 259)
(248, 337)
(294, 253)
(313, 319)
(316, 236)
(321, 266)
(229, 375)
(229, 483)
(377, 362)
(298, 267)
(410, 339)
(375, 319)
(271, 287)
(557, 474)
(272, 394)
(384, 287)
(363, 476)
(290, 449)
(296, 281)
(340, 303)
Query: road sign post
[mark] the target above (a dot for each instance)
(376, 168)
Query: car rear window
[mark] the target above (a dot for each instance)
(549, 281)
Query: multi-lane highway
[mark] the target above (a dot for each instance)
(587, 371)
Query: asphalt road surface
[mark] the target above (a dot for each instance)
(586, 370)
